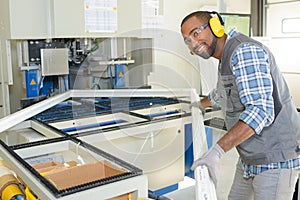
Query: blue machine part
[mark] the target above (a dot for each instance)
(119, 75)
(163, 113)
(92, 125)
(32, 88)
(33, 84)
(189, 150)
(48, 86)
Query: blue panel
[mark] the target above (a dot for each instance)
(189, 155)
(31, 83)
(164, 190)
(189, 151)
(119, 76)
(48, 86)
(209, 136)
(92, 125)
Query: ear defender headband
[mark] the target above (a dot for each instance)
(216, 24)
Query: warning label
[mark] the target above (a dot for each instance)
(32, 82)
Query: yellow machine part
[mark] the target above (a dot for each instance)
(10, 191)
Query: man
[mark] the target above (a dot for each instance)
(262, 121)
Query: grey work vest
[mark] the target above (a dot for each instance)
(277, 142)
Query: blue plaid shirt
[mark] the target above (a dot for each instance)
(253, 78)
(252, 170)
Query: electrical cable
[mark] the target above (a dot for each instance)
(65, 84)
(111, 77)
(41, 85)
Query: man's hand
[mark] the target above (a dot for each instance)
(197, 104)
(211, 159)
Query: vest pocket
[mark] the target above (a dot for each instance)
(230, 96)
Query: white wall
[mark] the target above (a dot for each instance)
(174, 66)
(285, 45)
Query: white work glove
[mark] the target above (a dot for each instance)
(211, 160)
(197, 104)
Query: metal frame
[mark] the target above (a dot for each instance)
(137, 184)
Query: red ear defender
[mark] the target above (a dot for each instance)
(216, 25)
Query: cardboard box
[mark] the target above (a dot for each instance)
(66, 177)
(47, 166)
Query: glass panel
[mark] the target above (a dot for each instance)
(26, 132)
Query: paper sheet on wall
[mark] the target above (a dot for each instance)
(100, 16)
(151, 14)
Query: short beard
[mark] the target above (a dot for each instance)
(209, 52)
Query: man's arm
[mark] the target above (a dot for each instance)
(235, 136)
(205, 102)
(238, 133)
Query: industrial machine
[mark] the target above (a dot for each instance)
(53, 66)
(135, 137)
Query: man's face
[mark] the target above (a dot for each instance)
(198, 37)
